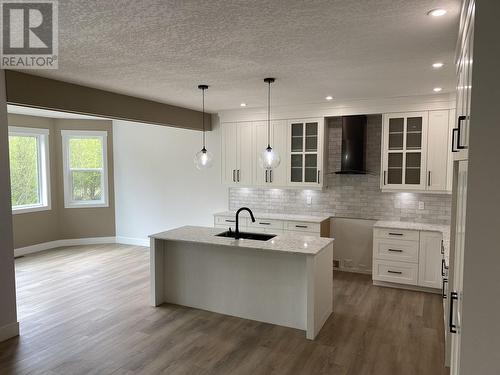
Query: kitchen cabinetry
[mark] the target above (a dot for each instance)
(278, 133)
(237, 148)
(300, 144)
(415, 152)
(306, 152)
(408, 257)
(319, 227)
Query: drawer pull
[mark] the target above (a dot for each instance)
(395, 234)
(442, 247)
(395, 250)
(230, 221)
(396, 272)
(263, 223)
(301, 226)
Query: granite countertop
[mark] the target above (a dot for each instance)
(286, 243)
(444, 229)
(275, 216)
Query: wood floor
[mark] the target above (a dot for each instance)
(84, 310)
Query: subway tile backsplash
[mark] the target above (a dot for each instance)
(351, 196)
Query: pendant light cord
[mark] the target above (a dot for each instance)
(269, 115)
(203, 114)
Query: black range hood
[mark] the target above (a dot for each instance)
(353, 145)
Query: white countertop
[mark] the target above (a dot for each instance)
(405, 225)
(286, 243)
(276, 216)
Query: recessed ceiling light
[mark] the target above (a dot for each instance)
(437, 65)
(437, 12)
(243, 104)
(329, 97)
(437, 89)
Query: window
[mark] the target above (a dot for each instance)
(85, 168)
(29, 169)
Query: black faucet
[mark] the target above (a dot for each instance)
(237, 229)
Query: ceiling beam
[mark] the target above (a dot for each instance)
(38, 92)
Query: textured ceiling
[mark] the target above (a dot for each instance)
(350, 49)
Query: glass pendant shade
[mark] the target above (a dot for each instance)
(269, 159)
(203, 159)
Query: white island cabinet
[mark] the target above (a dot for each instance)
(286, 280)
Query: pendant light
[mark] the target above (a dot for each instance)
(269, 158)
(203, 159)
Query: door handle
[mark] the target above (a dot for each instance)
(234, 178)
(459, 130)
(454, 132)
(385, 173)
(271, 175)
(238, 175)
(318, 176)
(442, 247)
(454, 297)
(266, 174)
(429, 178)
(445, 280)
(442, 267)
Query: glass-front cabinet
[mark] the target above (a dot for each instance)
(305, 156)
(404, 151)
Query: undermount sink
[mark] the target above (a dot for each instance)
(247, 235)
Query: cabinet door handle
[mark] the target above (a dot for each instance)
(453, 297)
(395, 234)
(301, 226)
(396, 272)
(385, 173)
(264, 223)
(271, 175)
(266, 174)
(442, 247)
(238, 175)
(442, 268)
(445, 280)
(234, 178)
(395, 250)
(459, 130)
(429, 178)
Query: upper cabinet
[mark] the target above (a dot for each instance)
(237, 148)
(306, 152)
(415, 151)
(300, 144)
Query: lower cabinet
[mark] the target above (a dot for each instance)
(408, 257)
(275, 226)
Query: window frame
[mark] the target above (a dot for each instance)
(68, 188)
(43, 148)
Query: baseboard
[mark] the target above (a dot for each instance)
(8, 331)
(353, 270)
(62, 243)
(132, 241)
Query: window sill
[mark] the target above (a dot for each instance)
(86, 205)
(29, 209)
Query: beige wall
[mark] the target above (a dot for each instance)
(8, 315)
(59, 222)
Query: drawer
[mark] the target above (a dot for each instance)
(408, 235)
(298, 226)
(266, 224)
(398, 250)
(230, 221)
(395, 272)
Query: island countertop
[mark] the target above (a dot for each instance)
(287, 243)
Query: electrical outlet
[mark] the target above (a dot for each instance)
(421, 205)
(309, 200)
(347, 263)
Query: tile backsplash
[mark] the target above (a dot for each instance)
(351, 196)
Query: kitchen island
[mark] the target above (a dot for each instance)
(286, 280)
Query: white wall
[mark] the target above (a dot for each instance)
(157, 185)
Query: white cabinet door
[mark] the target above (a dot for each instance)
(305, 152)
(404, 150)
(437, 151)
(430, 260)
(261, 176)
(229, 153)
(245, 160)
